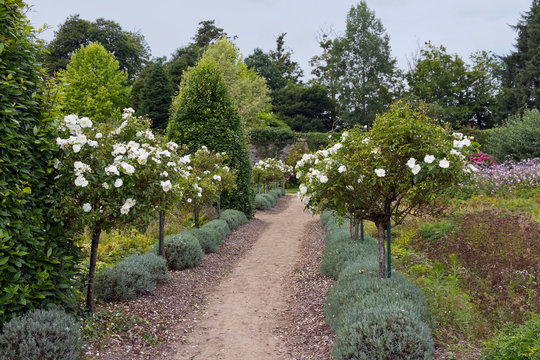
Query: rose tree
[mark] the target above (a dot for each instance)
(404, 165)
(114, 176)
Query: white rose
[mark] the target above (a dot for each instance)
(105, 186)
(444, 163)
(303, 189)
(118, 183)
(81, 181)
(85, 122)
(76, 148)
(428, 159)
(411, 162)
(87, 207)
(166, 185)
(380, 172)
(99, 135)
(323, 179)
(342, 169)
(416, 169)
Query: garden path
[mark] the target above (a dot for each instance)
(243, 309)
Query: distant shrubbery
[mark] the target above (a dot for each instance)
(268, 200)
(373, 318)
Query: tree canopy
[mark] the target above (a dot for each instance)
(129, 48)
(93, 84)
(156, 96)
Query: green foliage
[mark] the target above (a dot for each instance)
(385, 331)
(220, 226)
(296, 151)
(290, 70)
(316, 140)
(183, 251)
(519, 137)
(339, 249)
(457, 93)
(262, 202)
(304, 108)
(437, 231)
(129, 48)
(207, 33)
(326, 216)
(41, 334)
(208, 238)
(516, 343)
(38, 260)
(182, 59)
(93, 84)
(131, 277)
(248, 90)
(156, 96)
(268, 135)
(234, 218)
(265, 67)
(203, 114)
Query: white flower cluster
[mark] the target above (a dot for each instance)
(127, 206)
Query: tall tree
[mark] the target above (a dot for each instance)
(366, 87)
(156, 96)
(304, 108)
(248, 90)
(129, 48)
(93, 84)
(456, 92)
(290, 70)
(207, 33)
(263, 64)
(521, 74)
(182, 59)
(327, 71)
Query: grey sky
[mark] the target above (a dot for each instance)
(463, 26)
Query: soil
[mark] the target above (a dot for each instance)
(244, 309)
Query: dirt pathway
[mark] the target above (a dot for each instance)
(243, 310)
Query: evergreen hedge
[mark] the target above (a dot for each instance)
(38, 261)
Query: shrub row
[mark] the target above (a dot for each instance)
(138, 274)
(41, 334)
(268, 200)
(373, 318)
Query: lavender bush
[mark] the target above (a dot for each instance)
(508, 176)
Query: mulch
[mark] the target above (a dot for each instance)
(173, 308)
(302, 326)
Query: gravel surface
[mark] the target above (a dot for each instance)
(169, 313)
(302, 327)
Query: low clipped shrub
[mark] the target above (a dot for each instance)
(385, 331)
(516, 343)
(207, 239)
(234, 218)
(272, 198)
(279, 192)
(339, 249)
(183, 251)
(368, 291)
(220, 226)
(262, 203)
(131, 277)
(326, 216)
(41, 334)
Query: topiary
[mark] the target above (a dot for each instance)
(203, 114)
(272, 199)
(234, 218)
(386, 331)
(131, 277)
(206, 240)
(220, 226)
(183, 251)
(41, 334)
(38, 260)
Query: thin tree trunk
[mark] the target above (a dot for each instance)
(382, 258)
(196, 215)
(351, 227)
(356, 228)
(96, 232)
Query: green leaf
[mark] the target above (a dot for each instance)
(27, 190)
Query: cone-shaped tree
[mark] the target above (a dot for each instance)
(156, 96)
(204, 114)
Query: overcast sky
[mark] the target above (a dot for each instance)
(463, 26)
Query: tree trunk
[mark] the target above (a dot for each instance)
(356, 228)
(96, 232)
(196, 215)
(161, 251)
(382, 258)
(351, 227)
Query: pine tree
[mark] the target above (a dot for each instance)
(521, 75)
(156, 96)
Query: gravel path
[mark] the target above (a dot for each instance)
(244, 309)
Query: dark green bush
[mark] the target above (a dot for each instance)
(131, 277)
(316, 140)
(272, 135)
(208, 243)
(516, 343)
(518, 138)
(262, 203)
(386, 331)
(38, 260)
(220, 226)
(204, 114)
(234, 218)
(41, 335)
(183, 251)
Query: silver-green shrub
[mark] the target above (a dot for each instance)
(209, 244)
(262, 203)
(220, 226)
(183, 251)
(41, 335)
(234, 218)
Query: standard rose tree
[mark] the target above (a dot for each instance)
(404, 165)
(115, 175)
